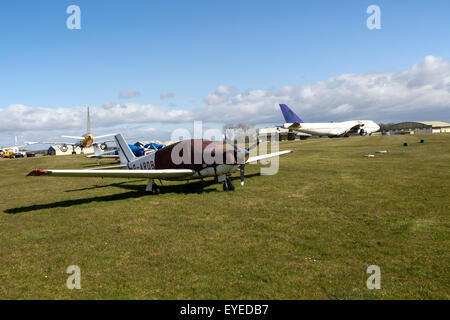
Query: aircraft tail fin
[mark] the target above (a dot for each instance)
(289, 115)
(125, 153)
(88, 121)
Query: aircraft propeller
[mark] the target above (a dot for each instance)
(240, 157)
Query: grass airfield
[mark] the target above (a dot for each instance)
(309, 232)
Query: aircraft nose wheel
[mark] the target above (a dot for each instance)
(155, 189)
(228, 185)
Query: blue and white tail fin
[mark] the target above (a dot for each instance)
(289, 115)
(125, 153)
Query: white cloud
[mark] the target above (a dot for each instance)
(18, 118)
(420, 93)
(129, 94)
(108, 104)
(342, 109)
(219, 96)
(166, 95)
(225, 90)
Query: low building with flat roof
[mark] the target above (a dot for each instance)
(417, 127)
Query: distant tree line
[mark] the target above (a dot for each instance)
(241, 126)
(386, 126)
(233, 132)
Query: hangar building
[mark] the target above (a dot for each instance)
(420, 127)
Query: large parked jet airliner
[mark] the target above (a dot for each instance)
(330, 129)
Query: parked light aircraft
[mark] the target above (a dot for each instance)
(162, 164)
(85, 141)
(10, 151)
(143, 150)
(99, 153)
(330, 129)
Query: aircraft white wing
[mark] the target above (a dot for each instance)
(104, 136)
(292, 126)
(19, 145)
(72, 137)
(110, 167)
(267, 156)
(59, 143)
(150, 174)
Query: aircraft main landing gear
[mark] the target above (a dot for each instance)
(228, 185)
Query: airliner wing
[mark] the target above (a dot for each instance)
(20, 145)
(267, 156)
(292, 126)
(72, 137)
(57, 143)
(104, 136)
(149, 174)
(355, 128)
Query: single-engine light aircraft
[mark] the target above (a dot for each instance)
(184, 160)
(11, 151)
(138, 150)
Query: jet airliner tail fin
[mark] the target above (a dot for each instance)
(289, 115)
(88, 121)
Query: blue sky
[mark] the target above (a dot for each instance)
(188, 48)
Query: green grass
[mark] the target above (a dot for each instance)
(309, 232)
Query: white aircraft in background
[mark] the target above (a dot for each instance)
(138, 151)
(100, 154)
(10, 151)
(160, 164)
(330, 129)
(85, 141)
